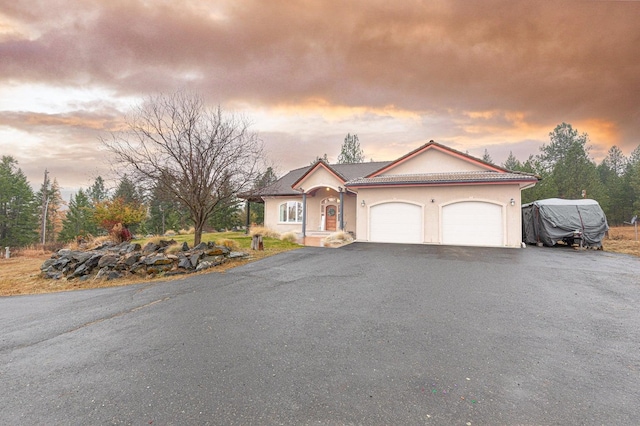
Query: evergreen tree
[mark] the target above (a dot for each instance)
(257, 209)
(97, 192)
(632, 180)
(611, 172)
(54, 205)
(128, 192)
(512, 162)
(563, 138)
(323, 158)
(545, 188)
(79, 221)
(486, 157)
(18, 210)
(226, 213)
(565, 166)
(351, 151)
(165, 213)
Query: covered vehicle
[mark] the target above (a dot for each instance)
(572, 221)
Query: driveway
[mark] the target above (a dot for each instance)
(364, 334)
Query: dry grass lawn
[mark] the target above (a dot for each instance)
(622, 239)
(21, 274)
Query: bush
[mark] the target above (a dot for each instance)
(228, 243)
(265, 232)
(338, 238)
(291, 237)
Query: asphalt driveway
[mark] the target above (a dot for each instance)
(364, 334)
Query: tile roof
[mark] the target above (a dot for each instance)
(283, 185)
(443, 178)
(355, 174)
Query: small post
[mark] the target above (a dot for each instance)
(256, 243)
(7, 254)
(248, 222)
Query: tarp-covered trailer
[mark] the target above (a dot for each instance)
(572, 221)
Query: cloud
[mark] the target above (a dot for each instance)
(473, 74)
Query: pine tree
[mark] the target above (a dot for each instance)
(264, 180)
(512, 162)
(97, 192)
(79, 221)
(632, 179)
(611, 173)
(351, 151)
(323, 158)
(53, 204)
(18, 210)
(486, 157)
(128, 192)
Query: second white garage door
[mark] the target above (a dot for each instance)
(396, 223)
(472, 223)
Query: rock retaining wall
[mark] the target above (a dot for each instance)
(112, 261)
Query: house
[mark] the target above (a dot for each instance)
(432, 195)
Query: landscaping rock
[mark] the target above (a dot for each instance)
(108, 260)
(111, 261)
(150, 248)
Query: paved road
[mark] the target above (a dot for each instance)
(365, 334)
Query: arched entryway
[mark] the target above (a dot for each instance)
(330, 213)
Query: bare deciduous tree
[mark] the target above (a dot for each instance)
(199, 155)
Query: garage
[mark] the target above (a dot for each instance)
(472, 223)
(396, 222)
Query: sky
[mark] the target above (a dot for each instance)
(470, 74)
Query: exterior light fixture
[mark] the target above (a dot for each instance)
(433, 200)
(362, 203)
(512, 202)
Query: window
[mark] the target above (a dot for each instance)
(291, 211)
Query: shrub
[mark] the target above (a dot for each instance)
(189, 231)
(291, 237)
(228, 243)
(338, 238)
(265, 232)
(173, 249)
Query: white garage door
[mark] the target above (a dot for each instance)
(472, 223)
(396, 223)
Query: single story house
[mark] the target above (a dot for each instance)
(432, 195)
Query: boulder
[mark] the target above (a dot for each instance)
(108, 260)
(150, 248)
(113, 261)
(157, 260)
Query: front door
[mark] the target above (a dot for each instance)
(331, 213)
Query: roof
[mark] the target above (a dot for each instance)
(356, 175)
(443, 178)
(439, 147)
(283, 186)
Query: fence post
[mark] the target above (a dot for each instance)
(7, 254)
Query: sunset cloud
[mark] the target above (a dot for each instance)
(492, 74)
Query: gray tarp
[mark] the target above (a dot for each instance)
(549, 221)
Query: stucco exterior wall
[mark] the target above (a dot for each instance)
(320, 177)
(441, 196)
(314, 211)
(435, 162)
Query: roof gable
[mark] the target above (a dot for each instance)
(319, 174)
(435, 158)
